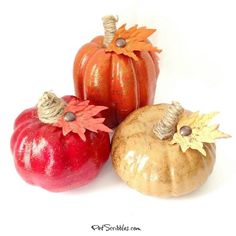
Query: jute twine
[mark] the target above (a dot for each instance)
(50, 108)
(166, 127)
(109, 24)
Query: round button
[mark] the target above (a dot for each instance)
(185, 130)
(69, 116)
(120, 42)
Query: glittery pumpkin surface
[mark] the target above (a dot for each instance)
(153, 166)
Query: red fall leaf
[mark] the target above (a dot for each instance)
(85, 119)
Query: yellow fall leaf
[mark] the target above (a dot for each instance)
(201, 132)
(203, 120)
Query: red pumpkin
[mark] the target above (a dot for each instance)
(59, 153)
(118, 70)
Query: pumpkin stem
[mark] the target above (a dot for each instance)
(50, 108)
(109, 24)
(166, 127)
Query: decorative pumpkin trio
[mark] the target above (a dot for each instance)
(160, 150)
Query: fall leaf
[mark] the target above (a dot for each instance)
(136, 40)
(201, 132)
(84, 119)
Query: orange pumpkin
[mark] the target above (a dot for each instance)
(118, 70)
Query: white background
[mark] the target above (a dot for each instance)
(38, 42)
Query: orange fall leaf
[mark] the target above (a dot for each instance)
(136, 40)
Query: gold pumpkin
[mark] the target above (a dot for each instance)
(154, 166)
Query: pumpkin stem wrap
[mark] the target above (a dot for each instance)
(50, 108)
(166, 127)
(109, 24)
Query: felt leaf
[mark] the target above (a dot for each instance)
(198, 146)
(136, 40)
(203, 120)
(84, 119)
(201, 132)
(184, 144)
(187, 120)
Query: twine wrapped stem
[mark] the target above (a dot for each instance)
(109, 24)
(166, 127)
(50, 108)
